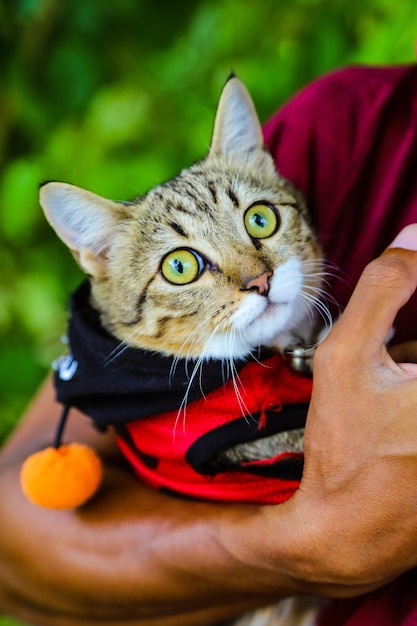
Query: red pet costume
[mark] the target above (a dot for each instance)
(140, 394)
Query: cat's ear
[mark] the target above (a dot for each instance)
(84, 221)
(236, 127)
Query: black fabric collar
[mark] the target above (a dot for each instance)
(113, 384)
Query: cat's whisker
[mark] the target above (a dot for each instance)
(237, 386)
(315, 303)
(120, 348)
(321, 271)
(251, 351)
(190, 341)
(116, 352)
(320, 266)
(317, 295)
(323, 265)
(231, 372)
(237, 383)
(198, 328)
(182, 410)
(173, 369)
(197, 369)
(225, 370)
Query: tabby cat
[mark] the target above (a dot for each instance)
(211, 265)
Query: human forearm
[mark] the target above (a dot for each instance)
(80, 567)
(133, 555)
(138, 557)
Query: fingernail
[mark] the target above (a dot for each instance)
(406, 239)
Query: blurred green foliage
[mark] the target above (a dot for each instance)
(117, 96)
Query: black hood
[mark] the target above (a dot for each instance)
(113, 383)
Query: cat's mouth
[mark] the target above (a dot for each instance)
(270, 309)
(275, 450)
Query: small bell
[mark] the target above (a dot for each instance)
(300, 359)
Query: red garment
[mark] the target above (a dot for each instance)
(162, 443)
(349, 142)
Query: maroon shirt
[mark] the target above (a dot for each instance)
(349, 142)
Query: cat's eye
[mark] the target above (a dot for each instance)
(182, 266)
(261, 221)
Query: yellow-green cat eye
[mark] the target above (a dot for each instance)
(261, 221)
(182, 266)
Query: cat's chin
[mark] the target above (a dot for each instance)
(228, 346)
(268, 329)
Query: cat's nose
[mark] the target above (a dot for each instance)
(260, 283)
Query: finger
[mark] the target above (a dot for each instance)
(386, 284)
(409, 368)
(406, 238)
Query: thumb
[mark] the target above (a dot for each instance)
(406, 239)
(386, 284)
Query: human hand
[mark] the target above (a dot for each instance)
(358, 493)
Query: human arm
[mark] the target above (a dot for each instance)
(133, 556)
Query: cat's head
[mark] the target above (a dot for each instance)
(214, 263)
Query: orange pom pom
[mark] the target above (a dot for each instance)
(61, 478)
